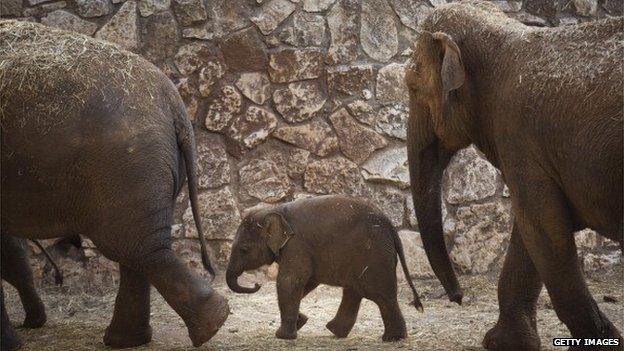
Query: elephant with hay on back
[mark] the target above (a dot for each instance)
(96, 141)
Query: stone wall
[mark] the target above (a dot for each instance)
(297, 97)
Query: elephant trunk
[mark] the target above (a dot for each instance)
(231, 278)
(427, 164)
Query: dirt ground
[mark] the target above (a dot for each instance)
(77, 321)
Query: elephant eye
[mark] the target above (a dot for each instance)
(244, 250)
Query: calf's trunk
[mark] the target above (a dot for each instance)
(231, 277)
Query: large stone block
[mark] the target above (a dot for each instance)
(255, 86)
(480, 235)
(307, 30)
(390, 201)
(292, 159)
(223, 109)
(343, 28)
(227, 16)
(392, 121)
(244, 51)
(122, 28)
(317, 5)
(160, 36)
(219, 215)
(356, 141)
(150, 7)
(290, 65)
(213, 167)
(378, 31)
(11, 8)
(299, 101)
(264, 180)
(271, 14)
(68, 21)
(469, 177)
(388, 166)
(391, 87)
(193, 56)
(253, 127)
(334, 176)
(189, 12)
(348, 81)
(411, 12)
(94, 8)
(209, 75)
(316, 137)
(415, 256)
(363, 111)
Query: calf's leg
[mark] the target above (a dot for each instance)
(394, 323)
(347, 313)
(302, 319)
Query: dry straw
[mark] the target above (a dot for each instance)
(52, 72)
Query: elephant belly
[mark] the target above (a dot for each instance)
(598, 205)
(39, 212)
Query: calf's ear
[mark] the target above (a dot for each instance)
(275, 225)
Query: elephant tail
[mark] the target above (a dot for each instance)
(186, 142)
(399, 248)
(58, 276)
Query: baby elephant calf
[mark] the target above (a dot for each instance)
(333, 240)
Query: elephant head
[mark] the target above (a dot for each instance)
(438, 126)
(258, 242)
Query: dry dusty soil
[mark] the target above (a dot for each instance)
(77, 321)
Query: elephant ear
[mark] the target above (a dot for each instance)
(452, 72)
(277, 231)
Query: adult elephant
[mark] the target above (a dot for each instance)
(546, 108)
(96, 141)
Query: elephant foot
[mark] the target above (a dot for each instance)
(506, 338)
(338, 329)
(302, 319)
(10, 340)
(121, 339)
(208, 319)
(286, 334)
(35, 314)
(394, 335)
(35, 320)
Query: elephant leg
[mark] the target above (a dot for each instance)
(15, 269)
(544, 220)
(10, 340)
(302, 319)
(289, 294)
(394, 323)
(347, 313)
(519, 287)
(130, 326)
(203, 310)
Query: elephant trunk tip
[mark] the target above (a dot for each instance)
(232, 282)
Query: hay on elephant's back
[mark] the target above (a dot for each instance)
(67, 66)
